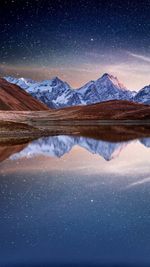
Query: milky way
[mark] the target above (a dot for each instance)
(76, 40)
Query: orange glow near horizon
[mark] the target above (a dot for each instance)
(134, 76)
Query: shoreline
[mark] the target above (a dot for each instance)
(111, 131)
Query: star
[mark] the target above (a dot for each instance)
(68, 38)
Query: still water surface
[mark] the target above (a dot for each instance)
(76, 201)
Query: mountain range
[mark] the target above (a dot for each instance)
(56, 93)
(57, 146)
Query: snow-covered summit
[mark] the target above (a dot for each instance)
(105, 88)
(22, 82)
(108, 78)
(143, 96)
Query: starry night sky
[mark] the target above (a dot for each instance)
(76, 40)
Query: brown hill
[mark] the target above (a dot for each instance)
(110, 110)
(12, 97)
(105, 112)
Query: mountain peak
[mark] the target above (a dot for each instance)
(106, 77)
(55, 81)
(55, 78)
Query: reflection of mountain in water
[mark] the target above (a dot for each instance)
(145, 141)
(57, 146)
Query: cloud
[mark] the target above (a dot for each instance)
(134, 74)
(143, 181)
(141, 57)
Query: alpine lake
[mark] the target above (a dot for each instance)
(76, 200)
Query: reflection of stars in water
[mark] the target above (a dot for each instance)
(65, 204)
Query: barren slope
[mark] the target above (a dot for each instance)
(116, 109)
(12, 97)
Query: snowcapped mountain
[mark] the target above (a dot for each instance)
(56, 93)
(57, 146)
(105, 88)
(22, 82)
(143, 96)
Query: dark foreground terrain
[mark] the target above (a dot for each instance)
(29, 119)
(110, 110)
(116, 110)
